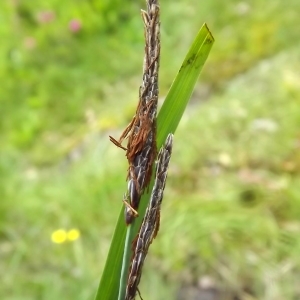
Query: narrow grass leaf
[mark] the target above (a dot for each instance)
(109, 283)
(181, 90)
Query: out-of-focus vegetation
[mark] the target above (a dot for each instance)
(69, 73)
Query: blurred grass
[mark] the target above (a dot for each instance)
(232, 199)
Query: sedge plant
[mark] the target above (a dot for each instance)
(113, 281)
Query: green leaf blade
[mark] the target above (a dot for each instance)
(108, 288)
(183, 85)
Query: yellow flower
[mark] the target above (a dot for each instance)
(59, 236)
(73, 234)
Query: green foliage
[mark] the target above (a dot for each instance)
(62, 94)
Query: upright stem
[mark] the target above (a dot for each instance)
(126, 261)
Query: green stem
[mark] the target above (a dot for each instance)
(126, 261)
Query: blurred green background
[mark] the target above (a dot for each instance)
(70, 73)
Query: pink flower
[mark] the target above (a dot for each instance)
(75, 25)
(46, 16)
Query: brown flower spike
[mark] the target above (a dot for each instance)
(141, 132)
(150, 224)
